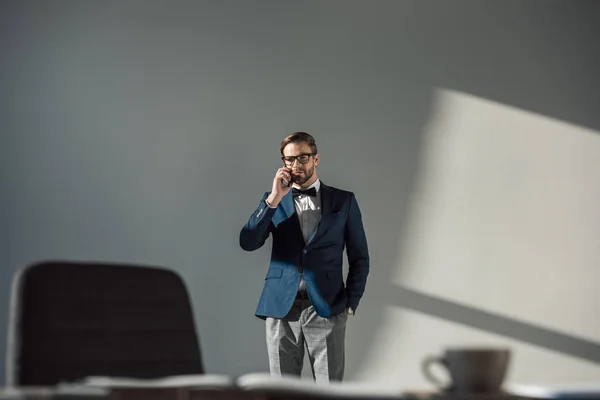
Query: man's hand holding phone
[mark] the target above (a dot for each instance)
(282, 184)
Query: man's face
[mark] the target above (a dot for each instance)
(301, 173)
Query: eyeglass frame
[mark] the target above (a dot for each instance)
(296, 158)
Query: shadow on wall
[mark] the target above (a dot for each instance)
(491, 322)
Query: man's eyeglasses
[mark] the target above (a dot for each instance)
(302, 159)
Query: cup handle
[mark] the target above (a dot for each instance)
(426, 368)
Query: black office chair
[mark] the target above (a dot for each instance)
(69, 320)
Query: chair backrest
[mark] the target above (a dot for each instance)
(69, 320)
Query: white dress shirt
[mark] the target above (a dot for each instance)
(308, 209)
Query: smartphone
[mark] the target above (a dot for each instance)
(283, 182)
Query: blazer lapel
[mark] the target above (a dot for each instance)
(326, 212)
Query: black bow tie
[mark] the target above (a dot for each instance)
(308, 192)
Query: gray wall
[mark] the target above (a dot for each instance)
(146, 131)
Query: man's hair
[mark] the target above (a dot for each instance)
(299, 137)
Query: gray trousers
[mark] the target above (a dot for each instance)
(303, 327)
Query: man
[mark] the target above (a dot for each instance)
(304, 299)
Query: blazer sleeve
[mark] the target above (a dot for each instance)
(256, 231)
(358, 255)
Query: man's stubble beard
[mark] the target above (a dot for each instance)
(307, 176)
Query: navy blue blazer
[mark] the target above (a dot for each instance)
(320, 259)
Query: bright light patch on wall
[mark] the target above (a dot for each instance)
(505, 219)
(506, 215)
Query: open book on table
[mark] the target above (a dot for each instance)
(176, 381)
(557, 390)
(253, 382)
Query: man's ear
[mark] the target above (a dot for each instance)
(317, 159)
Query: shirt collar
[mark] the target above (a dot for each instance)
(316, 184)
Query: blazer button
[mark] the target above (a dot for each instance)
(300, 270)
(305, 251)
